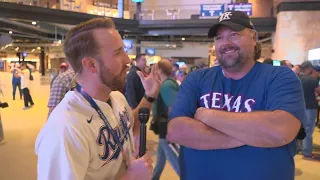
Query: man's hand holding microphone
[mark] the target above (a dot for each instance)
(141, 168)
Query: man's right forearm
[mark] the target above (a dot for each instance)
(194, 134)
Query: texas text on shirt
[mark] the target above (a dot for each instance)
(271, 88)
(80, 147)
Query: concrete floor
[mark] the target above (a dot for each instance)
(18, 160)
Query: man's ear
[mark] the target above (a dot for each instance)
(255, 37)
(89, 64)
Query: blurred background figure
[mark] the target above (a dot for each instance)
(268, 61)
(63, 67)
(184, 68)
(25, 75)
(147, 70)
(16, 82)
(161, 108)
(134, 90)
(175, 68)
(286, 63)
(310, 87)
(180, 76)
(60, 85)
(297, 69)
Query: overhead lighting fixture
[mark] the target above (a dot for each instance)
(183, 39)
(17, 48)
(38, 48)
(32, 50)
(34, 23)
(10, 32)
(167, 45)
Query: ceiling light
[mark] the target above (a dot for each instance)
(32, 50)
(10, 32)
(17, 49)
(183, 39)
(34, 23)
(38, 48)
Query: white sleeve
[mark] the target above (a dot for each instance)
(63, 154)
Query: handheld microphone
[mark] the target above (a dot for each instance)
(144, 114)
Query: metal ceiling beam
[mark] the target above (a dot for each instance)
(23, 25)
(28, 36)
(35, 13)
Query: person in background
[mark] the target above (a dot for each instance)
(24, 73)
(161, 107)
(241, 116)
(286, 63)
(175, 68)
(60, 85)
(134, 90)
(297, 69)
(184, 68)
(180, 76)
(16, 83)
(63, 67)
(310, 89)
(147, 70)
(268, 61)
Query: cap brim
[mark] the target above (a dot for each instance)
(234, 26)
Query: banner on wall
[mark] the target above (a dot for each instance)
(211, 10)
(244, 7)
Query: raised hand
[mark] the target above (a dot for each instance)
(151, 83)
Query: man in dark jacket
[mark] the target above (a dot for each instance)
(310, 87)
(134, 90)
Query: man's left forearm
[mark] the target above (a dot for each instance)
(259, 129)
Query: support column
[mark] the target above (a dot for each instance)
(138, 48)
(120, 8)
(297, 32)
(43, 71)
(138, 11)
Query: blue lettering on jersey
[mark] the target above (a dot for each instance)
(111, 150)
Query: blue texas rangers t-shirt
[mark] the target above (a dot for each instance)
(264, 88)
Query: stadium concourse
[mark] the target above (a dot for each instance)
(17, 155)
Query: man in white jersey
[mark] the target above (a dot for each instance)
(90, 134)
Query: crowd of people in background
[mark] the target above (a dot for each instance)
(310, 81)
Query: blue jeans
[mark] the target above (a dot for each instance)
(164, 152)
(14, 87)
(309, 125)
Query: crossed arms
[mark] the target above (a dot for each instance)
(224, 130)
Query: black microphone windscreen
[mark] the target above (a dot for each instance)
(144, 111)
(144, 114)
